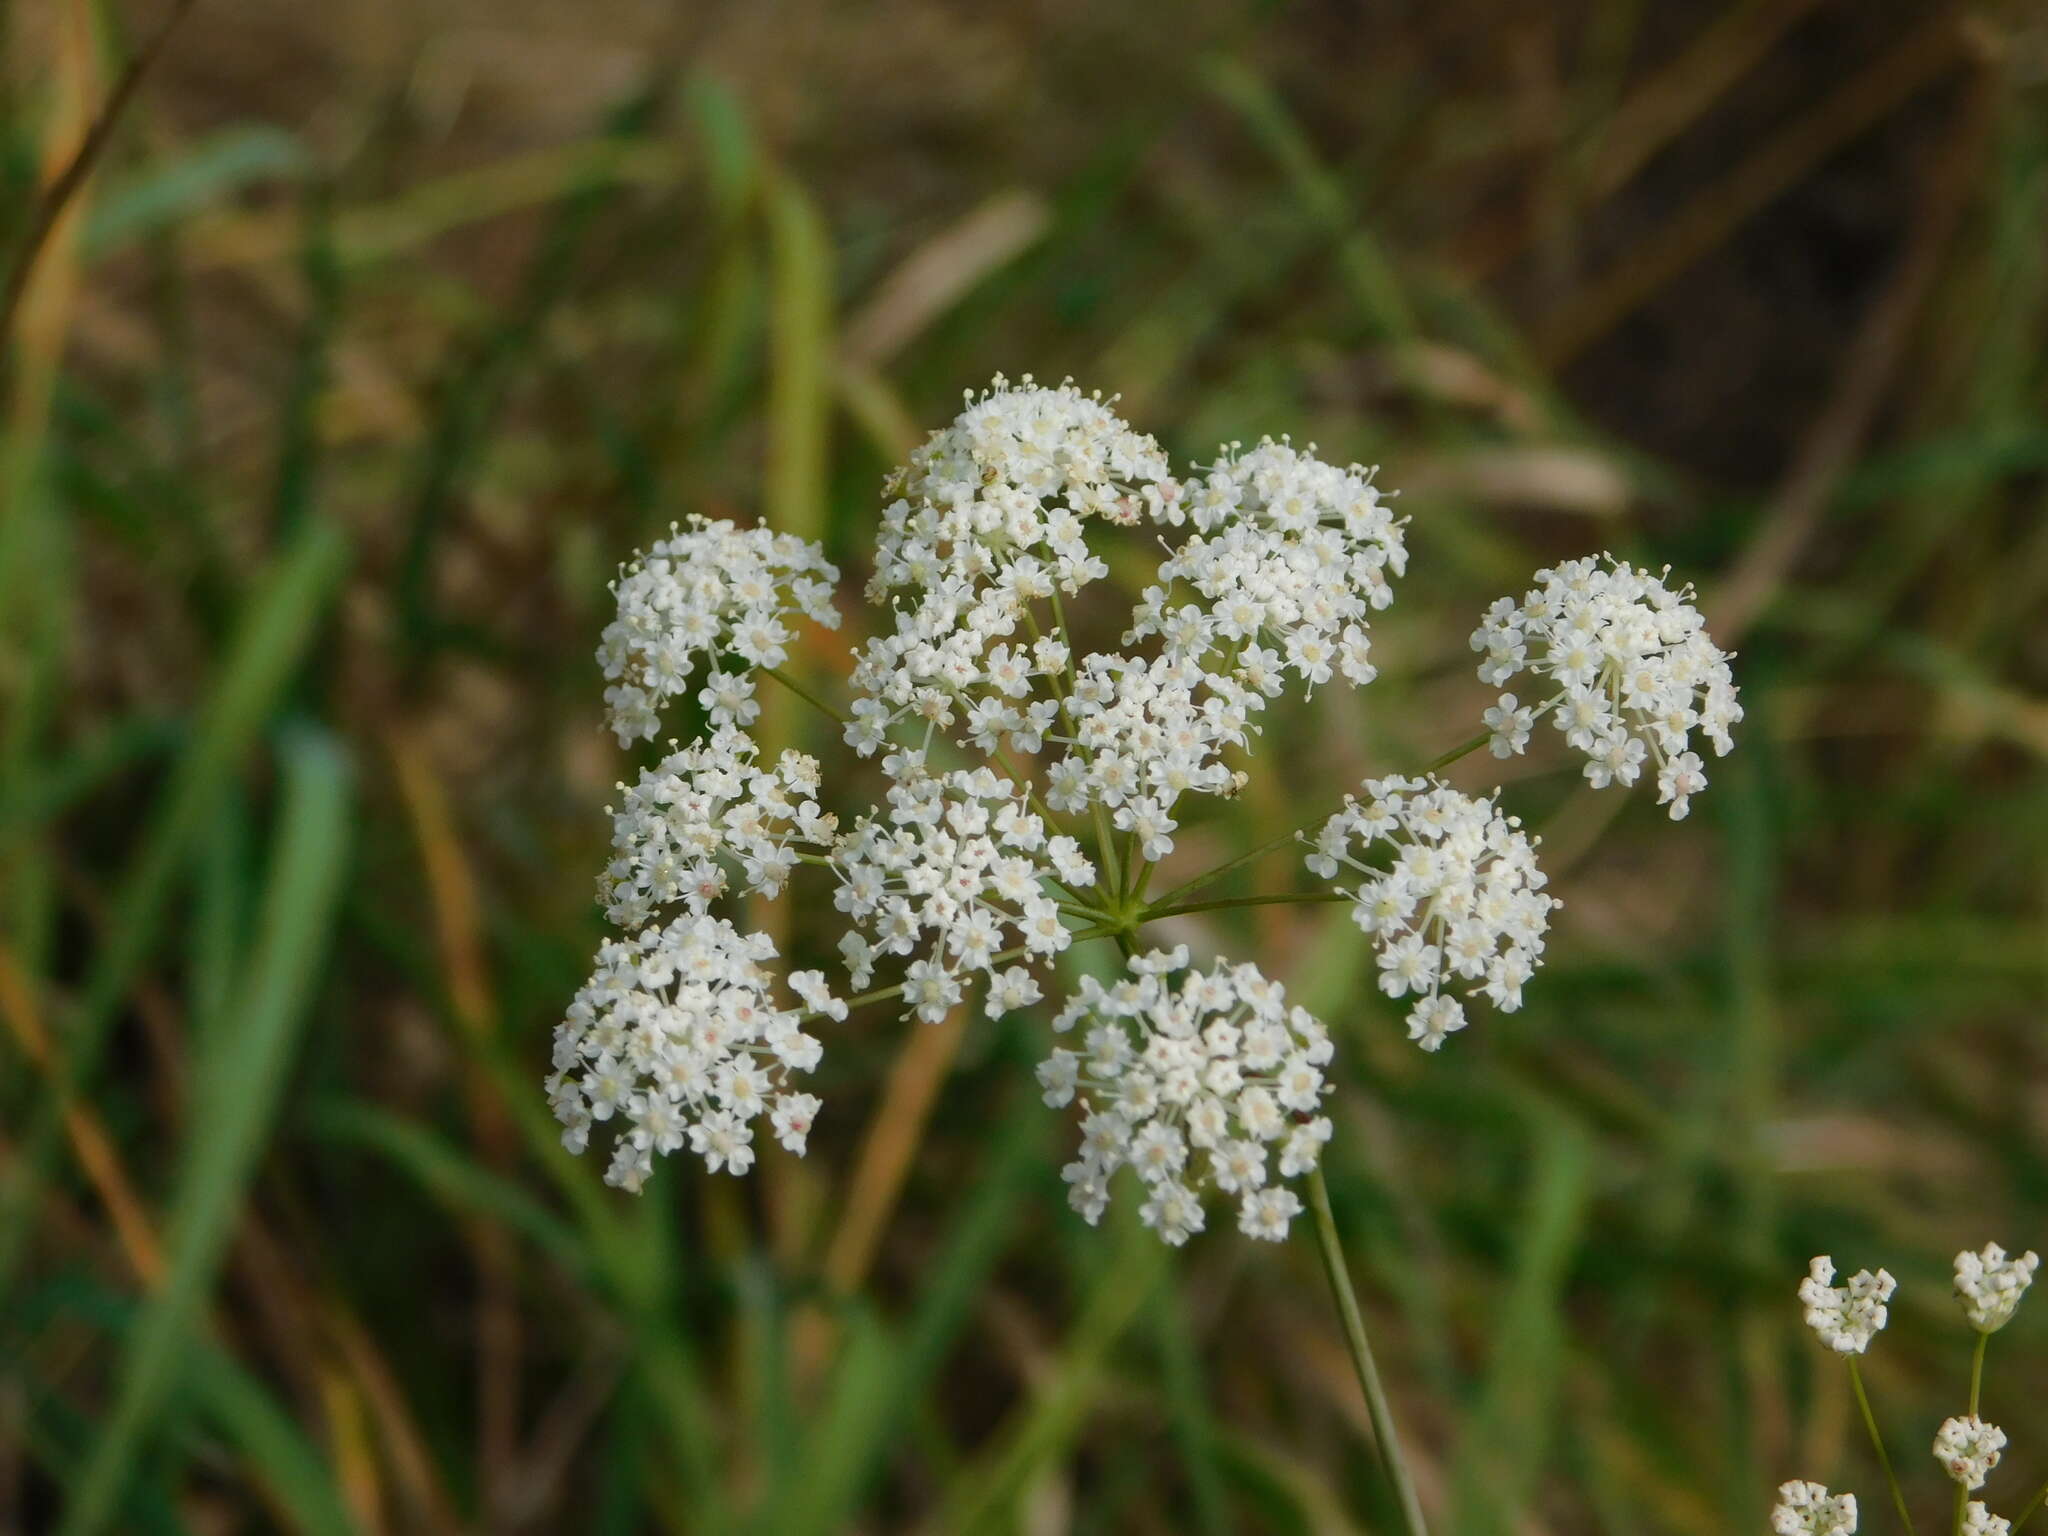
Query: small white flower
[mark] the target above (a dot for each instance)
(676, 1034)
(1460, 901)
(1189, 1079)
(1807, 1509)
(1968, 1448)
(1633, 670)
(1989, 1285)
(709, 588)
(1846, 1318)
(1979, 1521)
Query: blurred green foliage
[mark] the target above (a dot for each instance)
(376, 341)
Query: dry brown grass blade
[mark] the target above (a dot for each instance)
(57, 204)
(892, 1140)
(135, 1230)
(458, 931)
(1868, 373)
(935, 275)
(89, 1139)
(1925, 54)
(894, 1132)
(1655, 112)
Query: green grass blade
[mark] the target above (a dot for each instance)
(236, 1087)
(868, 1402)
(1510, 1432)
(261, 659)
(451, 1177)
(800, 376)
(209, 172)
(987, 1489)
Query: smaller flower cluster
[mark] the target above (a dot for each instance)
(989, 517)
(1192, 1083)
(1462, 901)
(954, 873)
(1634, 670)
(1144, 734)
(676, 1032)
(1289, 551)
(1989, 1285)
(710, 588)
(1968, 1449)
(1846, 1318)
(1808, 1509)
(702, 812)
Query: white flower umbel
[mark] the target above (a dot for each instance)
(1288, 559)
(1808, 1509)
(1847, 1317)
(988, 519)
(709, 589)
(1979, 1521)
(1968, 1449)
(704, 814)
(958, 871)
(676, 1035)
(1629, 672)
(1458, 899)
(1989, 1285)
(1192, 1079)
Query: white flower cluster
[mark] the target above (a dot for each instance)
(1192, 1083)
(1979, 1521)
(1634, 670)
(1462, 901)
(990, 517)
(700, 814)
(1005, 737)
(1989, 1285)
(1846, 1318)
(1144, 734)
(677, 1033)
(1968, 1449)
(708, 589)
(1288, 558)
(1807, 1509)
(956, 874)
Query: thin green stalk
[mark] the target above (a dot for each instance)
(1298, 898)
(804, 693)
(1190, 886)
(1105, 850)
(2040, 1497)
(1976, 1391)
(1465, 750)
(1385, 1440)
(1884, 1458)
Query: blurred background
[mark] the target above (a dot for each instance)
(380, 333)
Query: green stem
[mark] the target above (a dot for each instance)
(1457, 752)
(2040, 1497)
(804, 693)
(1111, 873)
(1877, 1443)
(1300, 898)
(1191, 886)
(1976, 1392)
(1385, 1439)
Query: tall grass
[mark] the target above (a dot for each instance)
(329, 410)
